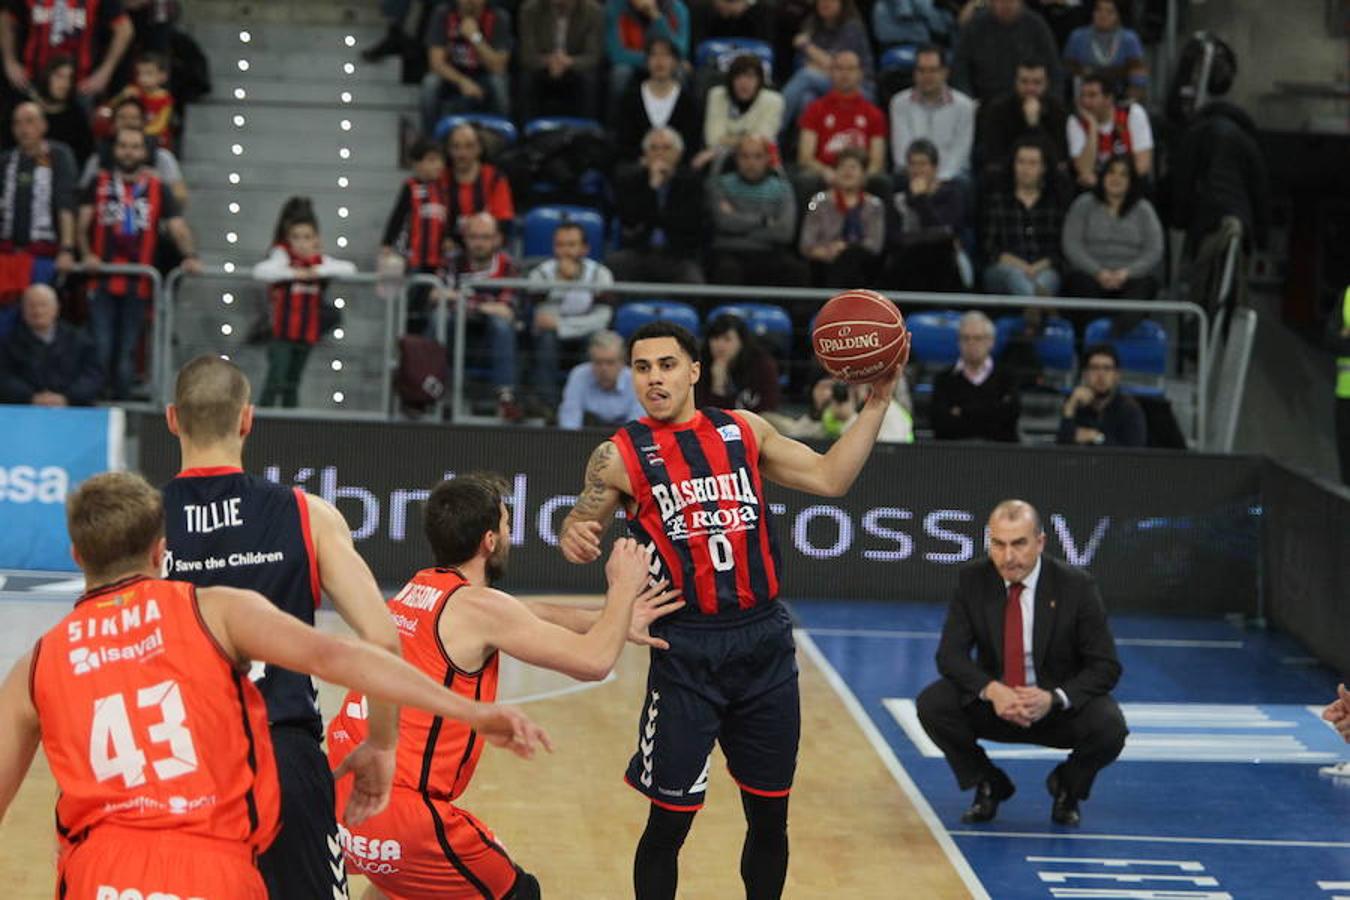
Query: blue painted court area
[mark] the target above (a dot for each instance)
(1217, 795)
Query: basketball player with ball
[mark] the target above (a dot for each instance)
(725, 670)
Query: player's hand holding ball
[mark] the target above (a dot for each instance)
(860, 337)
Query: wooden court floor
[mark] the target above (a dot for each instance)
(569, 818)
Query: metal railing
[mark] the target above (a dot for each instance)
(90, 273)
(392, 317)
(903, 299)
(451, 331)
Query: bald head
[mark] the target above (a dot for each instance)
(1016, 540)
(40, 308)
(1016, 511)
(209, 398)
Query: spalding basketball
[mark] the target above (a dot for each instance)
(858, 336)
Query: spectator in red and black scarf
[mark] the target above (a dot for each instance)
(120, 221)
(297, 272)
(417, 233)
(96, 34)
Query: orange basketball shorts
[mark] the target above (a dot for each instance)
(126, 863)
(420, 847)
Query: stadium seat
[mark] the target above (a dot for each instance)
(632, 316)
(499, 125)
(555, 123)
(771, 324)
(1054, 346)
(934, 342)
(1143, 354)
(719, 52)
(899, 58)
(542, 221)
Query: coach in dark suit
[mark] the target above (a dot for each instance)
(1043, 669)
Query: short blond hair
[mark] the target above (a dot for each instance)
(209, 394)
(114, 519)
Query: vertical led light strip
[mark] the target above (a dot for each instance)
(345, 154)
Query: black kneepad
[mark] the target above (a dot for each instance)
(526, 887)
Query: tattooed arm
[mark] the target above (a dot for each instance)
(606, 486)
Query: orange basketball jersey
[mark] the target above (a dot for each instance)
(147, 725)
(436, 756)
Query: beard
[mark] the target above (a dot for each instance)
(496, 566)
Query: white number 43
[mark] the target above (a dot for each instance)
(113, 750)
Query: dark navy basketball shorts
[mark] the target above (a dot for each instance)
(734, 683)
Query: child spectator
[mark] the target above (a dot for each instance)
(296, 272)
(150, 88)
(416, 233)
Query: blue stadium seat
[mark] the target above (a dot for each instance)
(556, 123)
(899, 58)
(498, 124)
(719, 52)
(1054, 346)
(542, 221)
(1143, 354)
(632, 316)
(934, 342)
(771, 324)
(9, 317)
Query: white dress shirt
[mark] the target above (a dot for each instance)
(1028, 602)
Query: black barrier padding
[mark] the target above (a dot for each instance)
(1161, 531)
(1307, 562)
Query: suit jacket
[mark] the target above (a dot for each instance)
(1072, 646)
(585, 30)
(641, 211)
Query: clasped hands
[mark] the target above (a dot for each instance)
(1022, 706)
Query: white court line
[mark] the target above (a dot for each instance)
(562, 691)
(892, 764)
(1156, 839)
(934, 635)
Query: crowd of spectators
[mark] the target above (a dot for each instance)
(88, 178)
(1015, 155)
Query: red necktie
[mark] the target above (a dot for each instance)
(1014, 655)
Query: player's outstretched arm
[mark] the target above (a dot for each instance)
(507, 624)
(795, 465)
(605, 487)
(249, 627)
(19, 731)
